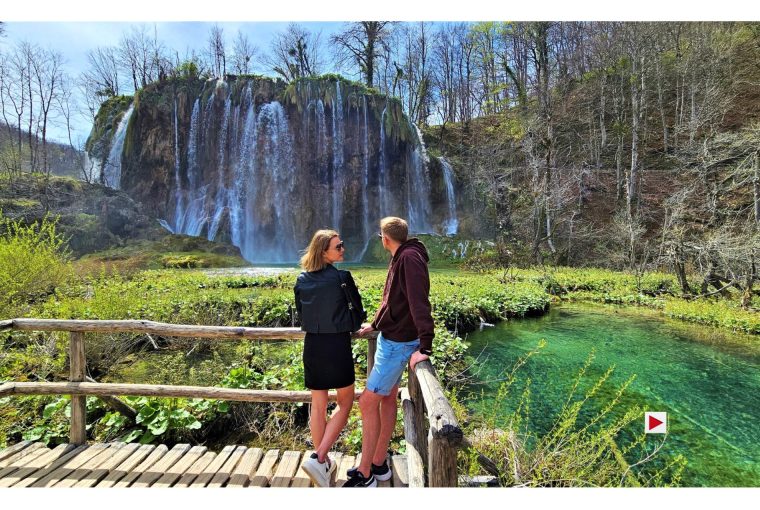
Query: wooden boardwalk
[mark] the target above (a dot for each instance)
(29, 464)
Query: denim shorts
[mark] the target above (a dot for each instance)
(390, 360)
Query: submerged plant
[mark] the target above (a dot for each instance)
(577, 451)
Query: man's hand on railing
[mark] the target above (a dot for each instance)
(417, 356)
(366, 329)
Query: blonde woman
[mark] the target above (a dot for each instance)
(322, 295)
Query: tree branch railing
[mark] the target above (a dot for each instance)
(432, 443)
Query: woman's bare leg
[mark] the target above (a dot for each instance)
(336, 422)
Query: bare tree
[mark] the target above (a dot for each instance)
(216, 51)
(294, 53)
(360, 44)
(244, 54)
(47, 70)
(103, 71)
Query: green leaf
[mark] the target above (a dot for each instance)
(128, 438)
(146, 438)
(158, 428)
(194, 425)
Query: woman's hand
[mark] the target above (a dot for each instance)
(366, 329)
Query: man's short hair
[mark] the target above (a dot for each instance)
(395, 228)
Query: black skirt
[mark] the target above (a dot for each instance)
(327, 361)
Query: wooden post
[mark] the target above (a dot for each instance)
(442, 463)
(420, 423)
(416, 466)
(371, 348)
(78, 433)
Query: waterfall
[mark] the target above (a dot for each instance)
(221, 203)
(418, 187)
(112, 167)
(452, 222)
(337, 167)
(179, 196)
(192, 220)
(265, 175)
(383, 206)
(365, 179)
(273, 226)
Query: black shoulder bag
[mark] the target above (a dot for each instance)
(357, 312)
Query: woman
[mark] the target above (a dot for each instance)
(322, 305)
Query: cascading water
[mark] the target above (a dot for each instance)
(451, 224)
(242, 175)
(337, 168)
(365, 179)
(221, 203)
(112, 169)
(383, 206)
(418, 187)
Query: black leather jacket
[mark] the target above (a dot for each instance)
(321, 302)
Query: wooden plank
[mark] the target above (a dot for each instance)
(399, 466)
(208, 473)
(158, 328)
(23, 462)
(246, 468)
(137, 471)
(41, 462)
(77, 364)
(196, 469)
(301, 479)
(266, 469)
(221, 476)
(20, 454)
(160, 467)
(177, 470)
(165, 391)
(286, 469)
(95, 462)
(126, 466)
(346, 463)
(72, 465)
(14, 449)
(7, 389)
(110, 464)
(30, 480)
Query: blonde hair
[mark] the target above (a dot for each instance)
(312, 258)
(395, 228)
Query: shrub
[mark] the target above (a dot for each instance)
(33, 263)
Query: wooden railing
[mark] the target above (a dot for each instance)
(433, 442)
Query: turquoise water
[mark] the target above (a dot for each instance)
(707, 380)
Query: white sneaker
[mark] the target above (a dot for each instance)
(319, 472)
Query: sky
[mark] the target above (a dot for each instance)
(75, 28)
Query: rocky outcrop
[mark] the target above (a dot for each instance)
(262, 164)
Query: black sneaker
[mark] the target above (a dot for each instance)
(357, 479)
(381, 472)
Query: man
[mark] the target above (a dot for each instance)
(406, 334)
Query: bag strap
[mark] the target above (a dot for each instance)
(345, 290)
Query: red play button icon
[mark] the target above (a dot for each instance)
(655, 422)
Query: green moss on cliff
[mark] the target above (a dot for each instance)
(106, 121)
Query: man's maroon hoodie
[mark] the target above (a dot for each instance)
(404, 314)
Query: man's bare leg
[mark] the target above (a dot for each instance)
(388, 412)
(369, 403)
